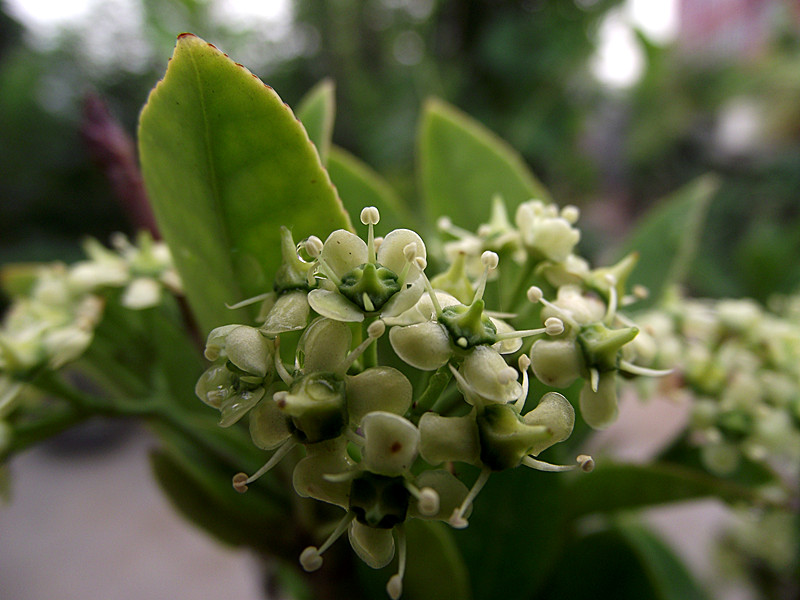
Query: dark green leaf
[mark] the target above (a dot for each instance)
(316, 111)
(360, 186)
(624, 562)
(226, 163)
(667, 237)
(434, 569)
(611, 487)
(668, 576)
(463, 166)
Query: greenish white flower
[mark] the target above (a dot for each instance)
(361, 281)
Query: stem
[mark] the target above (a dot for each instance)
(510, 302)
(28, 433)
(370, 356)
(436, 385)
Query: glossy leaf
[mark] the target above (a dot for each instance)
(463, 166)
(435, 568)
(360, 186)
(515, 535)
(226, 163)
(667, 237)
(625, 562)
(317, 111)
(612, 487)
(666, 572)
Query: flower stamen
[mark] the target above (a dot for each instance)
(394, 587)
(241, 480)
(457, 519)
(311, 557)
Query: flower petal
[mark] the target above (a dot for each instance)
(403, 300)
(507, 346)
(249, 350)
(481, 370)
(344, 251)
(333, 305)
(374, 546)
(142, 292)
(599, 409)
(324, 458)
(324, 345)
(391, 253)
(444, 439)
(378, 388)
(425, 346)
(238, 404)
(391, 443)
(268, 427)
(556, 413)
(451, 491)
(289, 313)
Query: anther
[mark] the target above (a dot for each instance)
(462, 342)
(490, 259)
(410, 251)
(313, 246)
(370, 215)
(444, 223)
(427, 499)
(310, 559)
(585, 462)
(553, 326)
(376, 329)
(394, 587)
(421, 263)
(535, 294)
(240, 482)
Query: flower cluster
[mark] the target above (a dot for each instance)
(52, 321)
(740, 366)
(371, 322)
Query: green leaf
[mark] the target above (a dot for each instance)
(197, 491)
(316, 111)
(463, 166)
(616, 486)
(625, 562)
(434, 569)
(516, 534)
(226, 163)
(667, 574)
(360, 186)
(667, 237)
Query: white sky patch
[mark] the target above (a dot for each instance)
(619, 59)
(658, 19)
(43, 13)
(245, 11)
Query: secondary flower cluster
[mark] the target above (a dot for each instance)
(379, 446)
(52, 321)
(740, 366)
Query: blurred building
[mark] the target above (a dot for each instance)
(716, 29)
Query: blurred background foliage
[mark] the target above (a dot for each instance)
(523, 68)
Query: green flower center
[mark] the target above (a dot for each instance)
(505, 438)
(316, 407)
(379, 501)
(468, 326)
(369, 286)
